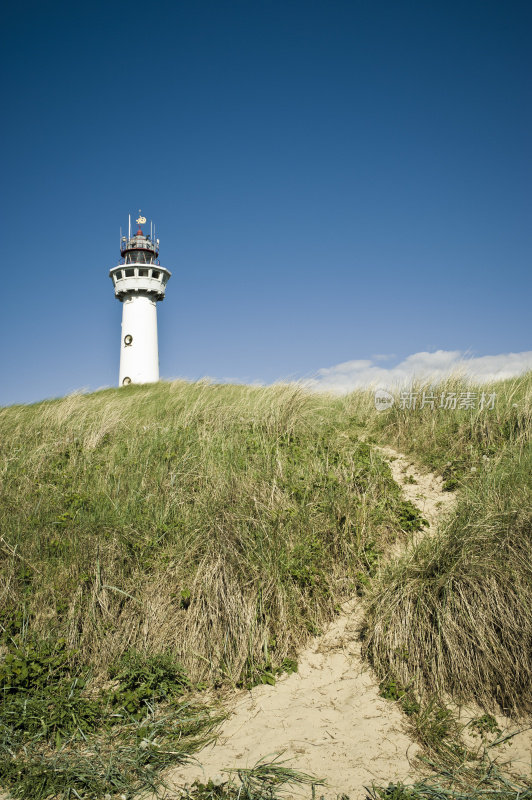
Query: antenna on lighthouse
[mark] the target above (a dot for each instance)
(151, 230)
(129, 230)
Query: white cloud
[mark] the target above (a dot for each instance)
(422, 366)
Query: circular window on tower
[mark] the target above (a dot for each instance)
(128, 339)
(126, 381)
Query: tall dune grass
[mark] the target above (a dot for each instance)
(222, 523)
(453, 615)
(452, 440)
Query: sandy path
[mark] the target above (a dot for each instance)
(425, 492)
(328, 718)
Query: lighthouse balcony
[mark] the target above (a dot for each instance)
(128, 279)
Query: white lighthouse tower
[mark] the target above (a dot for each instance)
(139, 282)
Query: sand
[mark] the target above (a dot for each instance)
(426, 492)
(328, 718)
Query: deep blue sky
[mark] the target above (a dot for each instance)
(329, 180)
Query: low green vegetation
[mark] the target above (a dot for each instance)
(60, 734)
(452, 767)
(491, 785)
(266, 780)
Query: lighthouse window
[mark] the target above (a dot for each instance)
(130, 273)
(143, 273)
(139, 257)
(155, 274)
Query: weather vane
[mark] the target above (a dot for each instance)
(141, 220)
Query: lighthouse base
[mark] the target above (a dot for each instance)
(139, 353)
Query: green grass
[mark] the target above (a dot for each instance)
(456, 443)
(169, 537)
(59, 735)
(126, 759)
(453, 615)
(223, 523)
(452, 619)
(157, 540)
(492, 785)
(266, 780)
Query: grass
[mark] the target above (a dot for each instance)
(266, 780)
(158, 540)
(223, 523)
(106, 763)
(169, 537)
(453, 771)
(456, 443)
(452, 616)
(58, 737)
(490, 786)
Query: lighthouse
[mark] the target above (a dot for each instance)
(139, 282)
